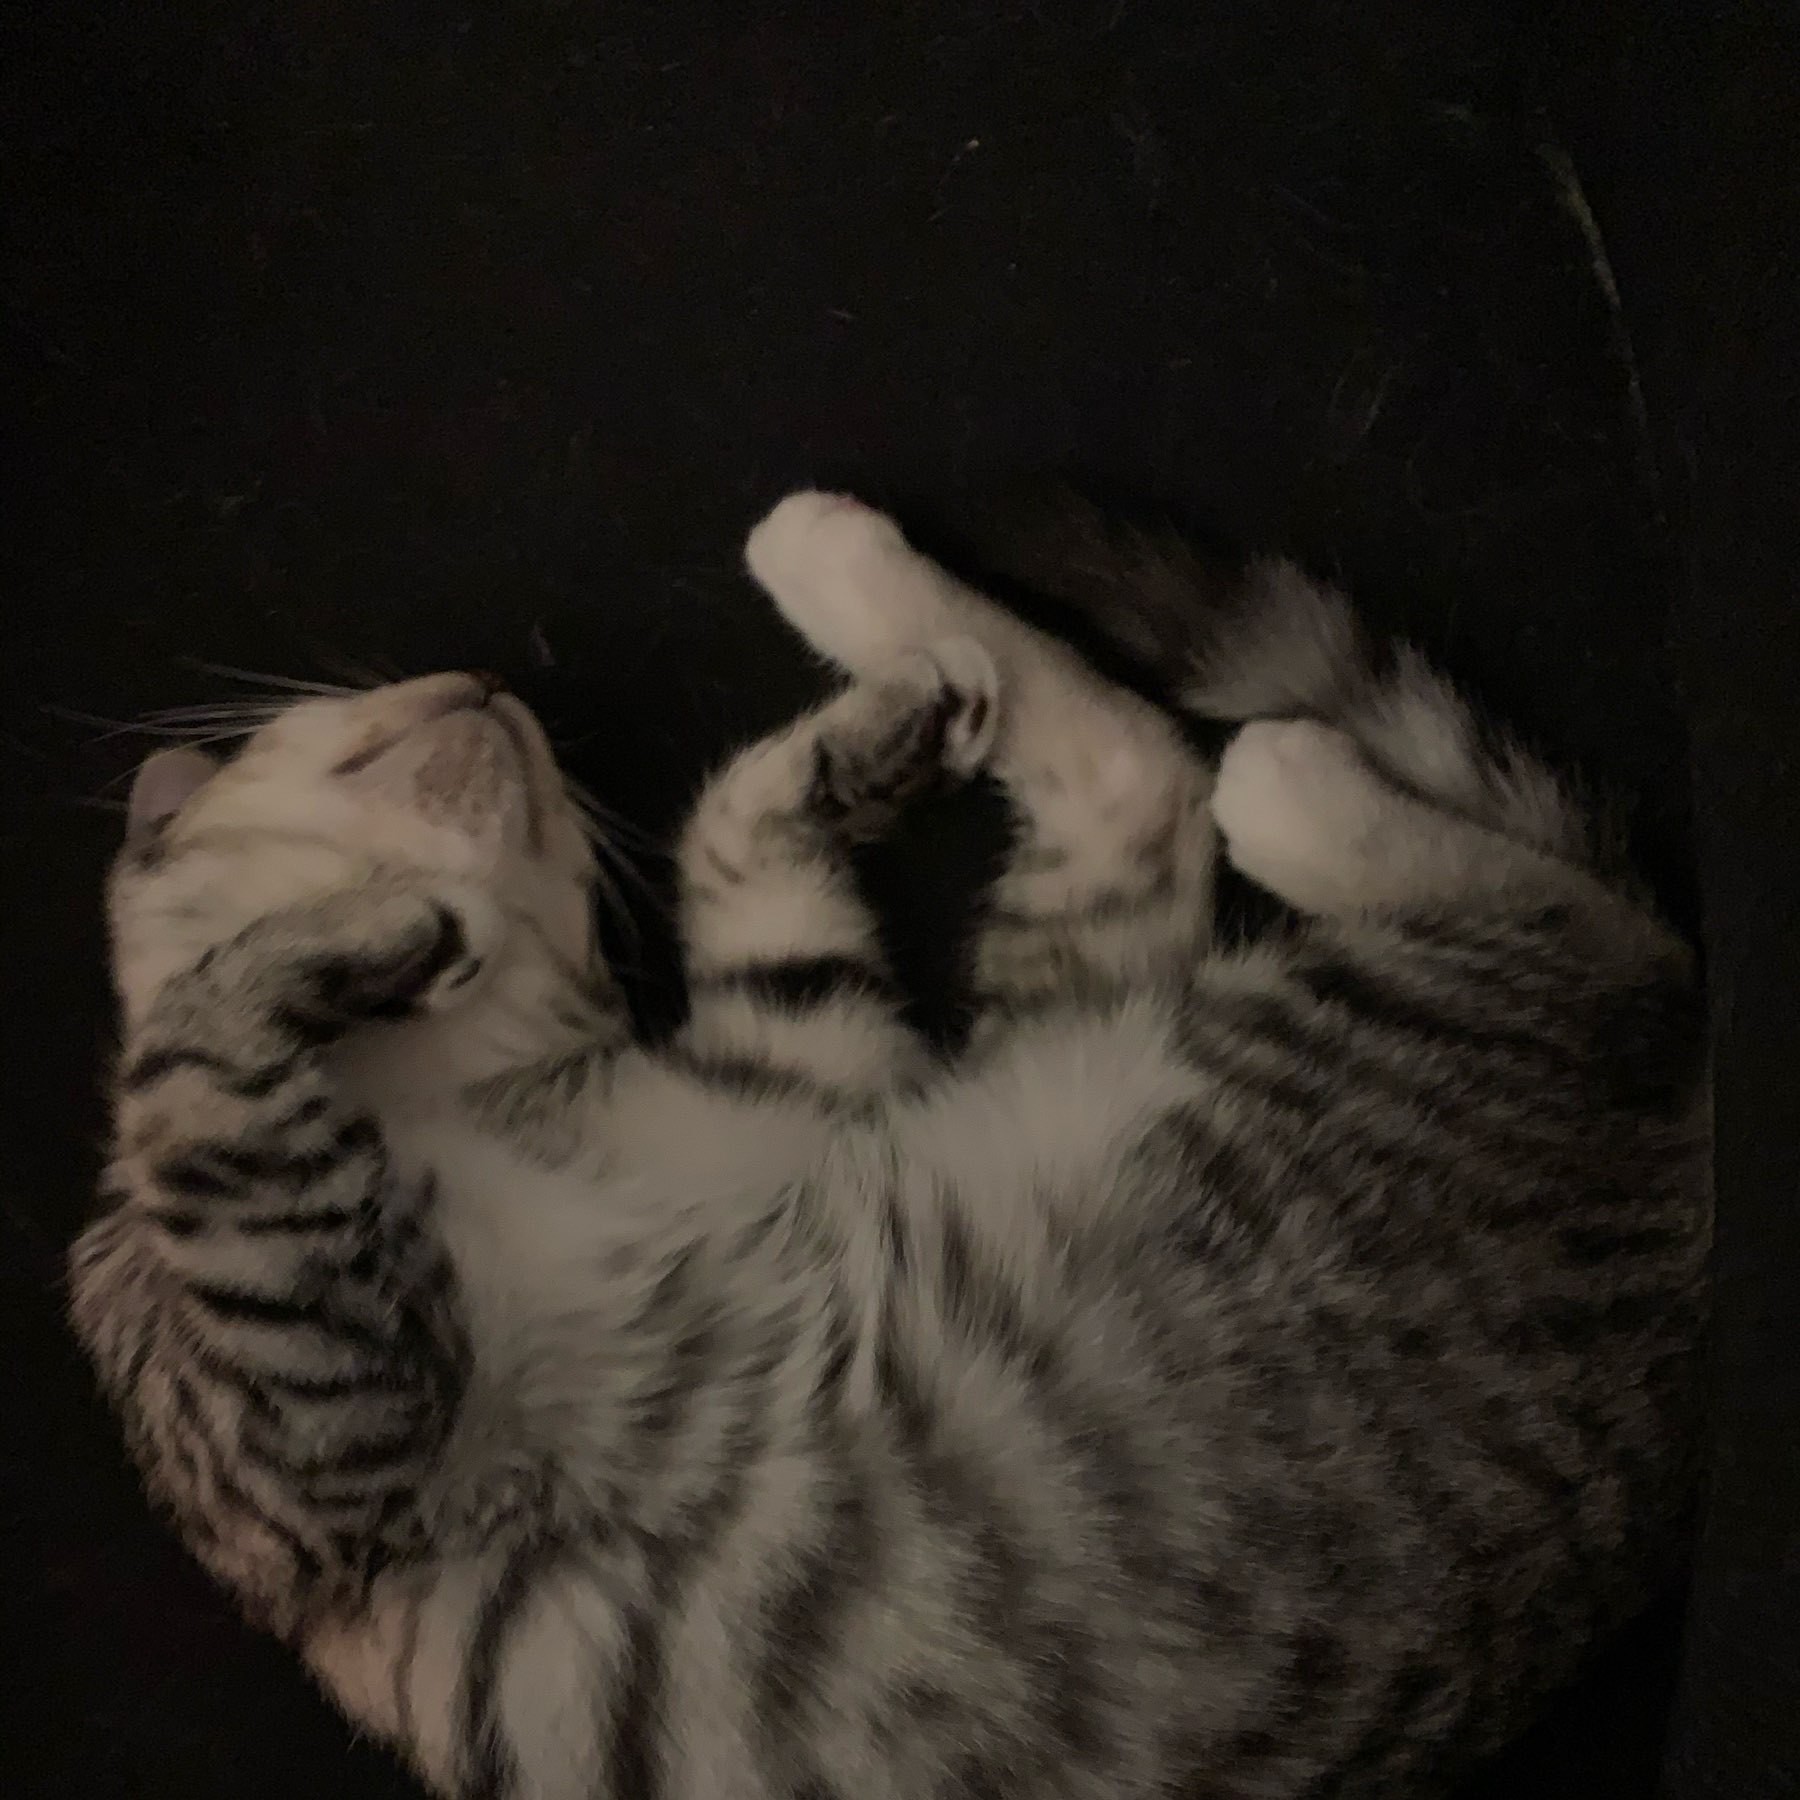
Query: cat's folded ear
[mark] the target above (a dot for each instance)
(162, 786)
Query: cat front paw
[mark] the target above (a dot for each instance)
(389, 946)
(844, 576)
(930, 716)
(408, 954)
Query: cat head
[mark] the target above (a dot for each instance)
(447, 779)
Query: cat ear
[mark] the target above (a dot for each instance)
(162, 786)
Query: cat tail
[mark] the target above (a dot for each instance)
(1227, 643)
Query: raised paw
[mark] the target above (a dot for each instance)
(421, 964)
(929, 716)
(387, 949)
(844, 576)
(1300, 811)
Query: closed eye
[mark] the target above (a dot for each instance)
(360, 759)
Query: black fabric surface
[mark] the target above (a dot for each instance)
(384, 339)
(1704, 231)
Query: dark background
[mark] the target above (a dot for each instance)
(403, 336)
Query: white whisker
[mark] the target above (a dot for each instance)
(602, 817)
(247, 713)
(360, 675)
(286, 684)
(185, 731)
(609, 865)
(614, 869)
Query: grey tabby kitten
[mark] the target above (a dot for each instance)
(1238, 1372)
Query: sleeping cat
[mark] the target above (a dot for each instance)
(1238, 1371)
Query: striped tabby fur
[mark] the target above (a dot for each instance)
(1237, 1372)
